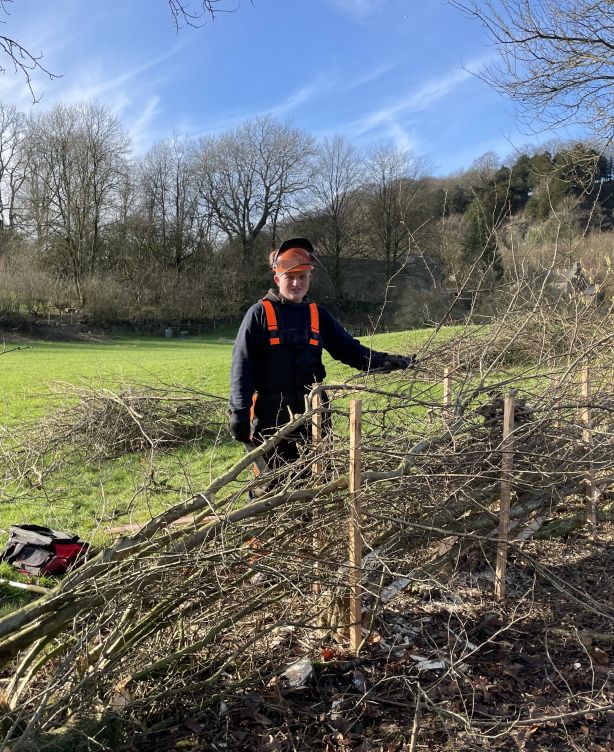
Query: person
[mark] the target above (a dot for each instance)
(277, 354)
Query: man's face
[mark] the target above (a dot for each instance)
(293, 286)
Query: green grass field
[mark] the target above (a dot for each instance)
(28, 376)
(90, 497)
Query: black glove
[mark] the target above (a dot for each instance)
(240, 428)
(398, 362)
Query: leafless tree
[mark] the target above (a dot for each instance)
(251, 177)
(24, 61)
(21, 59)
(13, 162)
(176, 223)
(186, 13)
(484, 167)
(77, 160)
(556, 58)
(394, 183)
(338, 173)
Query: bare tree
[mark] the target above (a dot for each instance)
(19, 57)
(176, 224)
(77, 161)
(252, 175)
(556, 57)
(186, 13)
(24, 61)
(13, 162)
(393, 183)
(484, 167)
(338, 173)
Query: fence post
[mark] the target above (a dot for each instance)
(447, 388)
(587, 438)
(316, 441)
(556, 385)
(507, 464)
(355, 541)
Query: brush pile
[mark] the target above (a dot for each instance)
(237, 620)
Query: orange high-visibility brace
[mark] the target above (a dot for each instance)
(271, 322)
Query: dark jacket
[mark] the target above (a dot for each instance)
(282, 375)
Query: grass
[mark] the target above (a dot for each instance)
(12, 597)
(88, 498)
(203, 362)
(28, 375)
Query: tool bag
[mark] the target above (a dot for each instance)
(37, 550)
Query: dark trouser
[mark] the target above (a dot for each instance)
(287, 451)
(269, 418)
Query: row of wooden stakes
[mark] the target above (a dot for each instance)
(506, 488)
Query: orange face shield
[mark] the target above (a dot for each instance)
(292, 260)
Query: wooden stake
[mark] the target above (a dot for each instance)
(355, 542)
(556, 385)
(447, 388)
(507, 464)
(587, 438)
(316, 429)
(316, 441)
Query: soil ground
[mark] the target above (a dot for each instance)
(535, 673)
(53, 329)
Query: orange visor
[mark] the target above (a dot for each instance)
(293, 260)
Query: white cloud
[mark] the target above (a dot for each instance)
(421, 99)
(372, 75)
(304, 94)
(401, 138)
(98, 84)
(48, 35)
(139, 130)
(320, 87)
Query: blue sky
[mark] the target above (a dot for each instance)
(371, 70)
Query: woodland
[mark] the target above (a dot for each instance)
(181, 235)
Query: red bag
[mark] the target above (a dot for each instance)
(37, 550)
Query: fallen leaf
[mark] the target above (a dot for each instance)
(389, 728)
(424, 664)
(298, 672)
(193, 725)
(601, 656)
(271, 745)
(121, 695)
(359, 680)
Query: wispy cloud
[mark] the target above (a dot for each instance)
(421, 99)
(304, 94)
(367, 78)
(321, 87)
(140, 130)
(48, 35)
(131, 93)
(98, 84)
(359, 9)
(325, 85)
(391, 121)
(401, 138)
